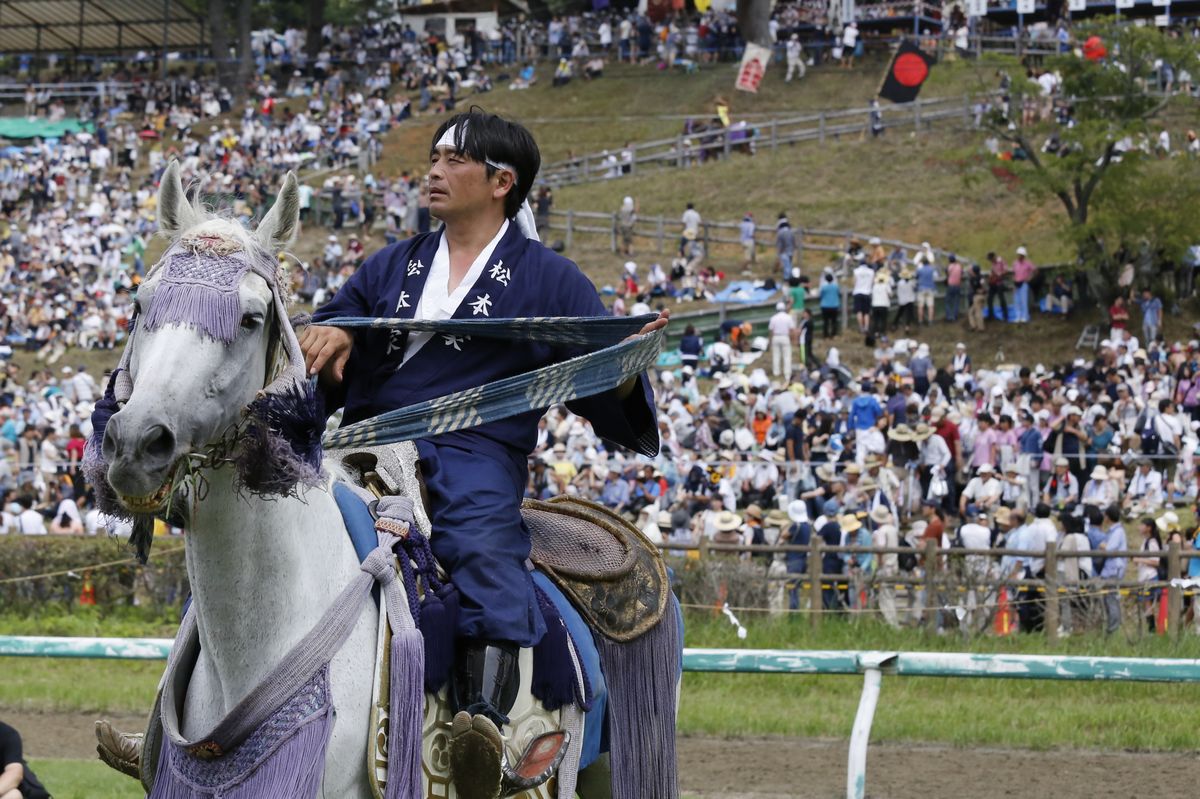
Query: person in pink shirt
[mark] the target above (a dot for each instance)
(985, 442)
(1024, 271)
(954, 275)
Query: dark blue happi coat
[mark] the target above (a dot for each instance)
(476, 477)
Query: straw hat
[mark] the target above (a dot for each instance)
(881, 515)
(727, 520)
(853, 469)
(664, 519)
(754, 512)
(1168, 522)
(1003, 515)
(826, 473)
(901, 432)
(922, 432)
(867, 484)
(849, 523)
(777, 518)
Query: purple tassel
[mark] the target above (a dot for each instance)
(439, 618)
(407, 715)
(281, 447)
(554, 681)
(94, 466)
(641, 676)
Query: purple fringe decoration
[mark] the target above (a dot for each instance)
(641, 677)
(200, 291)
(94, 466)
(554, 681)
(406, 719)
(281, 446)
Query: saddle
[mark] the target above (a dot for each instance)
(613, 575)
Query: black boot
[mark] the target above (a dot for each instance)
(486, 679)
(483, 691)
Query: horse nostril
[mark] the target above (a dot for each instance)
(158, 442)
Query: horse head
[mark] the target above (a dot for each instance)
(212, 372)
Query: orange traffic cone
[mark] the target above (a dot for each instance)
(1161, 620)
(1003, 621)
(87, 595)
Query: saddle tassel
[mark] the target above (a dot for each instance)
(407, 712)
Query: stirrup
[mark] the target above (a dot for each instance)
(481, 771)
(119, 750)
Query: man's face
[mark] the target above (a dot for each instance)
(459, 186)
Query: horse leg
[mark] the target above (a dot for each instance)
(595, 781)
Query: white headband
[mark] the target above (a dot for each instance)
(450, 139)
(525, 219)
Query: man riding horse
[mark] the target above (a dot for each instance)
(486, 261)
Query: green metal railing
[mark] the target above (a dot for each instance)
(871, 665)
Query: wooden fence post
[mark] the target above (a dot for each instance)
(1174, 593)
(815, 600)
(917, 115)
(679, 151)
(725, 135)
(614, 232)
(799, 259)
(660, 233)
(774, 135)
(570, 226)
(821, 127)
(1050, 619)
(931, 569)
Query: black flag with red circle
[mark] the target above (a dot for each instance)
(908, 70)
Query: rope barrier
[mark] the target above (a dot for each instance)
(94, 567)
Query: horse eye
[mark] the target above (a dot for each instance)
(250, 321)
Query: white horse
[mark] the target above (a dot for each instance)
(263, 571)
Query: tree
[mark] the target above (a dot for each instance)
(218, 26)
(1097, 159)
(754, 21)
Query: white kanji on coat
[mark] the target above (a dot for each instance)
(500, 273)
(415, 267)
(403, 302)
(481, 304)
(455, 341)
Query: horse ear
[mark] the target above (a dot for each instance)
(174, 210)
(278, 228)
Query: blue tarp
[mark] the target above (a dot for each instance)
(744, 291)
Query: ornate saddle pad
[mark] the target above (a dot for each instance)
(611, 572)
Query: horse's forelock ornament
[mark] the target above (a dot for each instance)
(276, 445)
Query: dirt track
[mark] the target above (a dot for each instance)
(783, 768)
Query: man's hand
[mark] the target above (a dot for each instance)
(626, 388)
(326, 350)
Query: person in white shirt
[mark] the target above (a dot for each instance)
(30, 522)
(1099, 490)
(1062, 489)
(795, 58)
(1013, 491)
(849, 42)
(691, 225)
(984, 490)
(1145, 491)
(1040, 532)
(782, 329)
(979, 568)
(864, 280)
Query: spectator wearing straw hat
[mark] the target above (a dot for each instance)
(727, 526)
(885, 535)
(798, 533)
(1099, 490)
(1062, 489)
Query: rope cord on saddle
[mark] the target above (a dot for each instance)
(624, 355)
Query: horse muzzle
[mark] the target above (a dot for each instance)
(142, 457)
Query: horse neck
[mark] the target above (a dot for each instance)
(262, 573)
